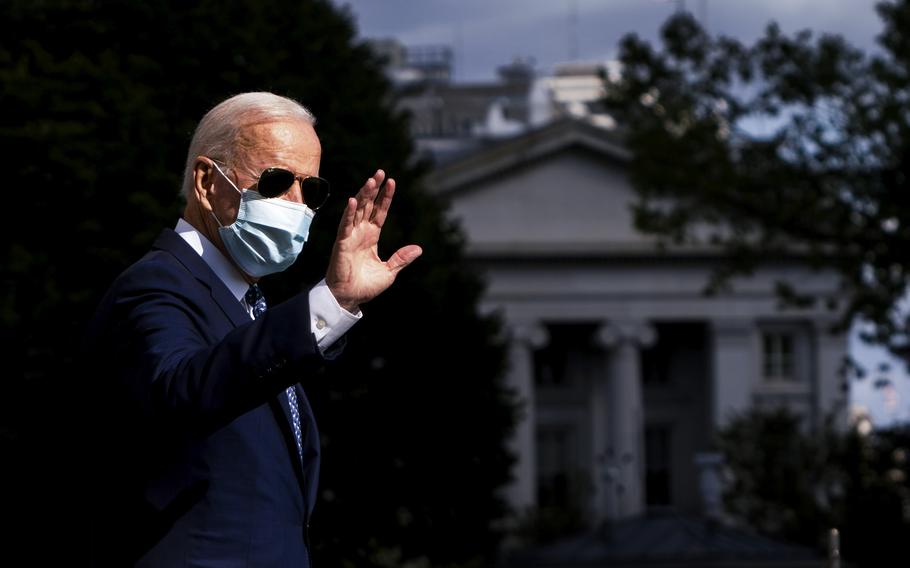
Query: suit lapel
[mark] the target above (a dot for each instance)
(282, 412)
(311, 448)
(173, 243)
(307, 477)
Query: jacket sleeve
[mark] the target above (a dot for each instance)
(174, 366)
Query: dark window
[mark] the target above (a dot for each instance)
(677, 343)
(657, 464)
(554, 466)
(566, 342)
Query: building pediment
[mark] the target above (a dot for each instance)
(526, 149)
(558, 190)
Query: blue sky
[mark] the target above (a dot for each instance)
(487, 33)
(885, 391)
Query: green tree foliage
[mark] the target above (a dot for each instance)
(99, 101)
(793, 145)
(783, 481)
(795, 484)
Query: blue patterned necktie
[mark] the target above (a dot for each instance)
(256, 301)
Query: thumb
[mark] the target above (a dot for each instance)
(403, 257)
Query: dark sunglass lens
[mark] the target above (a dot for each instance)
(315, 192)
(274, 182)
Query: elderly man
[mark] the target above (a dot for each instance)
(208, 449)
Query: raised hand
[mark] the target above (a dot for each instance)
(356, 274)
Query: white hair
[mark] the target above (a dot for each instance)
(221, 134)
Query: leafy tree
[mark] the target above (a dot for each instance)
(876, 508)
(793, 146)
(796, 485)
(784, 483)
(99, 101)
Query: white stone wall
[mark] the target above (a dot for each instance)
(555, 239)
(569, 199)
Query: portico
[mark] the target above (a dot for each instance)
(624, 366)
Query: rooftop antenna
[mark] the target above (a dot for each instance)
(458, 58)
(573, 30)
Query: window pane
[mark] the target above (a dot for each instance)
(777, 355)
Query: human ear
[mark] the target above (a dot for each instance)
(204, 181)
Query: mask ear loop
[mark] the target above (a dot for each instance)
(217, 220)
(229, 180)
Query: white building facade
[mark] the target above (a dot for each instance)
(624, 366)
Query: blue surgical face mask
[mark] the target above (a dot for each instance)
(268, 233)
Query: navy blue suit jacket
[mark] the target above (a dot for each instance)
(197, 464)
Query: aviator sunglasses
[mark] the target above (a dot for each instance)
(274, 182)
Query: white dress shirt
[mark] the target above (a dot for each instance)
(328, 320)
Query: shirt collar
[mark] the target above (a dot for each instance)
(220, 265)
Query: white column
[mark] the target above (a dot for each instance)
(830, 350)
(623, 493)
(735, 366)
(603, 466)
(522, 492)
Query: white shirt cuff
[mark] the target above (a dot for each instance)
(328, 320)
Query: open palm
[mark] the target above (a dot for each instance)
(356, 274)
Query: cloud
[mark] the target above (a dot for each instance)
(486, 34)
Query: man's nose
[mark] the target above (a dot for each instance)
(295, 193)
